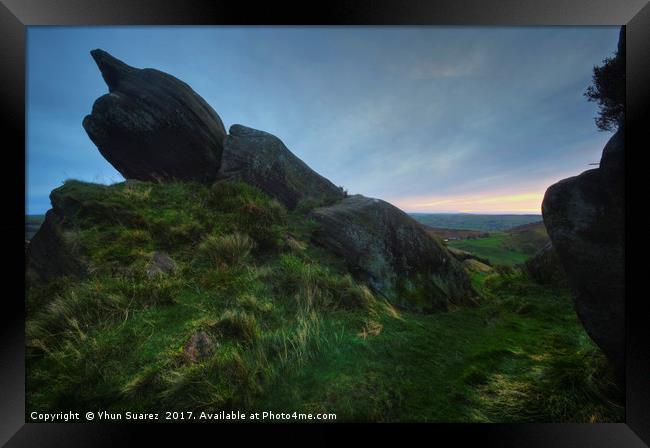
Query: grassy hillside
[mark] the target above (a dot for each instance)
(483, 223)
(287, 327)
(522, 356)
(512, 247)
(493, 247)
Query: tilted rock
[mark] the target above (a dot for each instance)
(151, 126)
(393, 253)
(262, 160)
(584, 216)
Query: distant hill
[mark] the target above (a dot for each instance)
(454, 234)
(482, 223)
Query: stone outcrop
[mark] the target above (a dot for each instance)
(393, 253)
(50, 253)
(152, 126)
(584, 216)
(262, 160)
(545, 268)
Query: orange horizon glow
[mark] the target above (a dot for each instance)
(519, 203)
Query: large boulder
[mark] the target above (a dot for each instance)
(393, 253)
(262, 160)
(152, 126)
(584, 216)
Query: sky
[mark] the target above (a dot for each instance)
(431, 119)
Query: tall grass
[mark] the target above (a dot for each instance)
(228, 250)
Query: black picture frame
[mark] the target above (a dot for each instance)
(16, 15)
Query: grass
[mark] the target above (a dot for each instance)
(493, 248)
(523, 356)
(291, 329)
(511, 248)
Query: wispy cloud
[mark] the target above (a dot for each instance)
(455, 117)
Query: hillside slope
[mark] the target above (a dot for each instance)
(215, 299)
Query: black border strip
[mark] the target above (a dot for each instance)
(16, 14)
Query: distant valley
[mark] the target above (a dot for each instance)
(481, 223)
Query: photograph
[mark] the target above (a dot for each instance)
(325, 224)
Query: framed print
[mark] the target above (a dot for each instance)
(364, 215)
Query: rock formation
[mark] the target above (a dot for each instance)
(50, 253)
(584, 216)
(261, 159)
(545, 268)
(393, 253)
(151, 126)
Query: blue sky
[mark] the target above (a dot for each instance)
(432, 119)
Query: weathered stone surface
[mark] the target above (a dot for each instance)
(198, 347)
(393, 253)
(545, 268)
(151, 126)
(160, 264)
(261, 159)
(50, 253)
(584, 216)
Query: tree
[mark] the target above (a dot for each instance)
(608, 89)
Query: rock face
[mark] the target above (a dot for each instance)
(50, 253)
(151, 126)
(545, 267)
(261, 159)
(584, 216)
(393, 253)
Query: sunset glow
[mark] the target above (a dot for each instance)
(528, 202)
(430, 119)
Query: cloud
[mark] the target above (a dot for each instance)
(409, 114)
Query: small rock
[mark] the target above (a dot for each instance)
(198, 347)
(161, 264)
